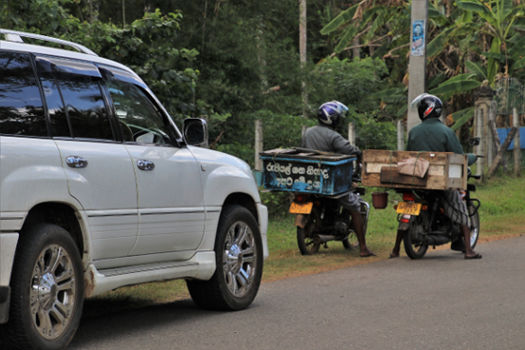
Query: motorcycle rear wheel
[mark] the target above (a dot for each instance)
(351, 241)
(307, 237)
(474, 223)
(414, 249)
(347, 242)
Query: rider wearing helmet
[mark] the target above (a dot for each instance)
(323, 137)
(434, 136)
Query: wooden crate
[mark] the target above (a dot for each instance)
(306, 171)
(446, 170)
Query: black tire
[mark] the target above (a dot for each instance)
(307, 238)
(473, 224)
(413, 247)
(346, 243)
(47, 290)
(364, 214)
(239, 259)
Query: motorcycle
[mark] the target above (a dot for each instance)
(423, 223)
(320, 219)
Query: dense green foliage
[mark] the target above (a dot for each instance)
(470, 43)
(236, 61)
(228, 61)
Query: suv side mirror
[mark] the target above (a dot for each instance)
(196, 132)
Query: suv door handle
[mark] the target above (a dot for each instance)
(144, 164)
(76, 162)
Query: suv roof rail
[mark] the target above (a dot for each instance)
(16, 36)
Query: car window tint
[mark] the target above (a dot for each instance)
(21, 109)
(139, 118)
(85, 107)
(57, 113)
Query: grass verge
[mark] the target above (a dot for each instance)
(501, 215)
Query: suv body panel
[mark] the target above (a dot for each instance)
(171, 207)
(137, 226)
(107, 190)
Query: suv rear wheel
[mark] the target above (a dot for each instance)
(239, 259)
(47, 289)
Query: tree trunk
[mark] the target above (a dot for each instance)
(501, 152)
(123, 13)
(356, 51)
(302, 50)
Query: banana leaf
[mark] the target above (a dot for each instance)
(477, 69)
(347, 37)
(477, 7)
(456, 85)
(438, 43)
(519, 64)
(461, 117)
(341, 19)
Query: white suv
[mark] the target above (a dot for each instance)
(99, 190)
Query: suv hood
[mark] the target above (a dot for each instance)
(215, 159)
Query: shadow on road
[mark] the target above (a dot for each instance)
(106, 319)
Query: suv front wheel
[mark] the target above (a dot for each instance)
(47, 289)
(239, 259)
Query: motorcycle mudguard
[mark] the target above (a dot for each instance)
(300, 220)
(403, 226)
(404, 222)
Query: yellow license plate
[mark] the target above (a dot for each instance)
(409, 208)
(301, 208)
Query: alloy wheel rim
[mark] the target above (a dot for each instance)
(239, 259)
(473, 236)
(52, 292)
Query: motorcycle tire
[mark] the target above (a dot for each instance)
(413, 249)
(474, 222)
(307, 237)
(347, 244)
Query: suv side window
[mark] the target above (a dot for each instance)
(21, 109)
(85, 107)
(74, 98)
(140, 120)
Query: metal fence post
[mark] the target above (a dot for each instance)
(400, 136)
(517, 145)
(258, 144)
(351, 133)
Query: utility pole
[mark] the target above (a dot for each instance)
(417, 60)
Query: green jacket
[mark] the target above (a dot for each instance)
(433, 136)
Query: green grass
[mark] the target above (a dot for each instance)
(501, 212)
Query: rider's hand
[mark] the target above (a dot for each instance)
(359, 155)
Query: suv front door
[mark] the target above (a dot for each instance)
(170, 196)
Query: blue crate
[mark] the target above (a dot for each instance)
(290, 170)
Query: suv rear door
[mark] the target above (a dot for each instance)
(99, 170)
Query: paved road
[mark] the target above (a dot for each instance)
(440, 302)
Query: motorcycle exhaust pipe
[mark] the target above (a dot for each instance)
(437, 240)
(326, 238)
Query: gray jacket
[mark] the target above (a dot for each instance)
(323, 138)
